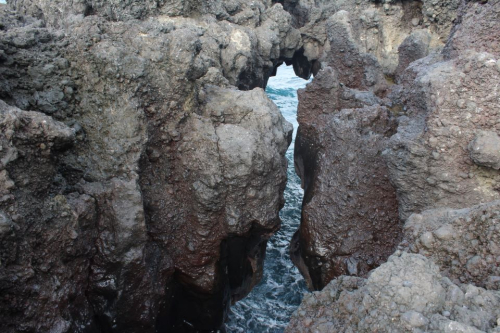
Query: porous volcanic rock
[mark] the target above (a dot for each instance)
(350, 219)
(47, 236)
(464, 243)
(447, 106)
(347, 116)
(441, 161)
(173, 177)
(406, 294)
(376, 28)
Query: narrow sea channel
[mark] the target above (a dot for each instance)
(269, 306)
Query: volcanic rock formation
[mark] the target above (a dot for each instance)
(350, 220)
(141, 193)
(142, 166)
(406, 294)
(441, 162)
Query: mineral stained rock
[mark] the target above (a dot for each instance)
(347, 117)
(349, 222)
(140, 196)
(441, 160)
(406, 294)
(437, 147)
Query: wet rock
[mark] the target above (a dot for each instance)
(385, 301)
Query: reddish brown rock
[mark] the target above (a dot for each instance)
(183, 173)
(349, 220)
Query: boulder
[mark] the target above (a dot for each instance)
(463, 242)
(406, 294)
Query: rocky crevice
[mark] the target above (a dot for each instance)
(151, 170)
(186, 172)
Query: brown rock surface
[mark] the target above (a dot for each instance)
(350, 212)
(442, 163)
(182, 175)
(349, 220)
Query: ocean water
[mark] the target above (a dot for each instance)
(268, 308)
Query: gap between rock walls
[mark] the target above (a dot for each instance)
(142, 162)
(156, 182)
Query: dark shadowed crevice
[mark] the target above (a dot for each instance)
(240, 268)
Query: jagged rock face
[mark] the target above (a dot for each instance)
(350, 218)
(406, 294)
(349, 214)
(441, 162)
(442, 153)
(376, 29)
(60, 12)
(175, 178)
(476, 29)
(448, 104)
(463, 243)
(46, 235)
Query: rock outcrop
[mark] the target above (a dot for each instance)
(406, 294)
(441, 161)
(448, 105)
(463, 243)
(142, 164)
(342, 141)
(146, 178)
(349, 221)
(437, 149)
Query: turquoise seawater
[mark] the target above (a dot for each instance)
(267, 309)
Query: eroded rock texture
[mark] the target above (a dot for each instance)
(406, 294)
(441, 161)
(141, 194)
(464, 243)
(349, 221)
(347, 118)
(432, 144)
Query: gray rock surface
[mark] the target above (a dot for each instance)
(446, 107)
(463, 243)
(406, 294)
(484, 149)
(182, 173)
